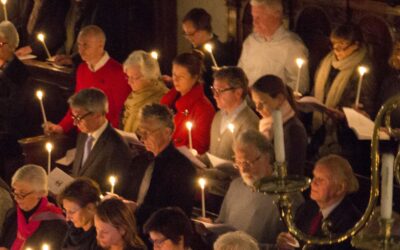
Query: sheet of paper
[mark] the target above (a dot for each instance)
(131, 138)
(216, 161)
(58, 180)
(68, 158)
(186, 152)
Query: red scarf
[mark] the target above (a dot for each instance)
(45, 211)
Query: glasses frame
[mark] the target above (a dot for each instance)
(218, 92)
(78, 118)
(21, 196)
(248, 164)
(340, 48)
(145, 135)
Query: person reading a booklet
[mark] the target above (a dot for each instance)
(336, 83)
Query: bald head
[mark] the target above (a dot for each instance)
(91, 42)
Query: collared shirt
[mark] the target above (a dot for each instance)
(229, 118)
(103, 60)
(144, 186)
(326, 211)
(96, 134)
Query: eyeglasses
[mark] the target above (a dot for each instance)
(21, 196)
(79, 118)
(2, 44)
(190, 34)
(158, 242)
(217, 92)
(133, 78)
(340, 47)
(143, 133)
(247, 164)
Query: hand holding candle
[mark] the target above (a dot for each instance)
(361, 70)
(49, 148)
(299, 62)
(39, 95)
(208, 47)
(112, 181)
(387, 186)
(40, 37)
(202, 183)
(154, 54)
(4, 2)
(189, 126)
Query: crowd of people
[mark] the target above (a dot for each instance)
(208, 111)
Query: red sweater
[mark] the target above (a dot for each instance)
(199, 111)
(111, 79)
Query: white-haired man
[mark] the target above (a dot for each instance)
(271, 48)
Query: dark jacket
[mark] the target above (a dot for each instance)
(295, 137)
(78, 239)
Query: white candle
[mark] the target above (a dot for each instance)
(45, 247)
(39, 95)
(154, 54)
(49, 148)
(361, 70)
(112, 181)
(202, 183)
(40, 37)
(299, 62)
(189, 126)
(387, 186)
(231, 127)
(279, 144)
(5, 9)
(208, 47)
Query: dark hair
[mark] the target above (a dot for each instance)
(200, 18)
(235, 77)
(160, 112)
(171, 222)
(192, 61)
(119, 215)
(273, 86)
(81, 191)
(349, 32)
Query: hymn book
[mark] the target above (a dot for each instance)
(58, 180)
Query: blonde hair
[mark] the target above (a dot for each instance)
(272, 4)
(236, 241)
(148, 66)
(33, 174)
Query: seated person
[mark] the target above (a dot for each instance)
(244, 209)
(79, 200)
(6, 203)
(188, 101)
(332, 182)
(97, 71)
(169, 180)
(100, 150)
(116, 226)
(235, 240)
(144, 78)
(35, 220)
(269, 93)
(169, 228)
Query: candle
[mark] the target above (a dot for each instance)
(49, 147)
(154, 54)
(189, 126)
(5, 9)
(39, 95)
(279, 145)
(231, 127)
(299, 62)
(202, 183)
(112, 181)
(40, 37)
(208, 47)
(45, 247)
(361, 70)
(387, 186)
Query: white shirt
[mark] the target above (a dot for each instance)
(103, 60)
(326, 211)
(276, 56)
(96, 134)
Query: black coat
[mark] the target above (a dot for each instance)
(78, 239)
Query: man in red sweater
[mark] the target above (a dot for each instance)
(97, 70)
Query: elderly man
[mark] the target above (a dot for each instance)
(99, 71)
(100, 150)
(243, 208)
(329, 205)
(169, 180)
(271, 48)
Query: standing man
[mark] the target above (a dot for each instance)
(98, 71)
(271, 48)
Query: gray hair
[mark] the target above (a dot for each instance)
(255, 138)
(236, 241)
(235, 77)
(272, 4)
(93, 30)
(33, 174)
(92, 99)
(160, 112)
(148, 66)
(10, 34)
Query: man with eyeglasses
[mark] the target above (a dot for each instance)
(243, 208)
(100, 150)
(230, 90)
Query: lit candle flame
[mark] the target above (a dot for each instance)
(202, 183)
(112, 180)
(299, 62)
(28, 248)
(154, 54)
(49, 147)
(231, 127)
(208, 47)
(189, 125)
(40, 37)
(101, 197)
(362, 70)
(45, 247)
(39, 94)
(4, 1)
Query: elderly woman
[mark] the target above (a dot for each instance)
(144, 77)
(35, 221)
(169, 229)
(188, 101)
(79, 200)
(116, 226)
(236, 241)
(336, 86)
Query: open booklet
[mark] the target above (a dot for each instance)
(362, 126)
(217, 161)
(58, 180)
(186, 152)
(309, 104)
(217, 228)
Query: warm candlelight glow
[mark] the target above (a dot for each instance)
(39, 94)
(40, 37)
(4, 9)
(154, 54)
(189, 125)
(231, 127)
(49, 147)
(202, 183)
(112, 179)
(101, 197)
(299, 62)
(362, 70)
(3, 1)
(45, 247)
(208, 47)
(28, 248)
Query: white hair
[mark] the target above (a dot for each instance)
(273, 4)
(148, 66)
(10, 34)
(236, 241)
(34, 175)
